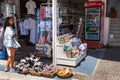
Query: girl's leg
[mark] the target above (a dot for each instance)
(12, 57)
(9, 58)
(8, 64)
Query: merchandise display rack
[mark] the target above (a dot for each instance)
(64, 59)
(59, 57)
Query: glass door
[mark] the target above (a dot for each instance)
(92, 23)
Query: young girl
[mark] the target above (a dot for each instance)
(9, 43)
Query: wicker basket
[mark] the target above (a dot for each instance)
(49, 75)
(33, 73)
(25, 72)
(68, 75)
(39, 53)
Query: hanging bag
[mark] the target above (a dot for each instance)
(15, 43)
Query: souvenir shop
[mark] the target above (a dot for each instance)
(55, 29)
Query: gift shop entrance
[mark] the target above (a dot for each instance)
(55, 29)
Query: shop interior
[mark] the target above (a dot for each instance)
(69, 15)
(23, 9)
(37, 32)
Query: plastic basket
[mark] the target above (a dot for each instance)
(2, 54)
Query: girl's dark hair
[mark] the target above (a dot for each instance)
(8, 24)
(1, 15)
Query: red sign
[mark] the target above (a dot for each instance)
(93, 3)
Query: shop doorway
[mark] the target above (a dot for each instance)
(76, 10)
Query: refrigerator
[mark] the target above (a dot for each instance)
(94, 24)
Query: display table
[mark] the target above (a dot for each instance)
(65, 59)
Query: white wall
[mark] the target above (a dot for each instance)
(106, 30)
(106, 26)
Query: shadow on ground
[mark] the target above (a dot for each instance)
(111, 53)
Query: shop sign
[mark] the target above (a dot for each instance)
(93, 3)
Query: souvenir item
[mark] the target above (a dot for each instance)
(42, 12)
(48, 12)
(49, 71)
(67, 48)
(47, 50)
(30, 5)
(65, 73)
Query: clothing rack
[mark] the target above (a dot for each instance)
(28, 16)
(45, 40)
(46, 4)
(27, 31)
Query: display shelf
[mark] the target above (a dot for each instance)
(70, 14)
(92, 32)
(92, 13)
(65, 59)
(92, 23)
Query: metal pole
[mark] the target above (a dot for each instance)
(54, 29)
(48, 1)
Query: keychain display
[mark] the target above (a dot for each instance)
(48, 12)
(45, 28)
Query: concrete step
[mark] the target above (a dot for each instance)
(116, 36)
(114, 19)
(115, 25)
(114, 28)
(114, 32)
(114, 40)
(114, 44)
(115, 22)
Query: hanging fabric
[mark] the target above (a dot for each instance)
(29, 25)
(42, 12)
(48, 12)
(23, 31)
